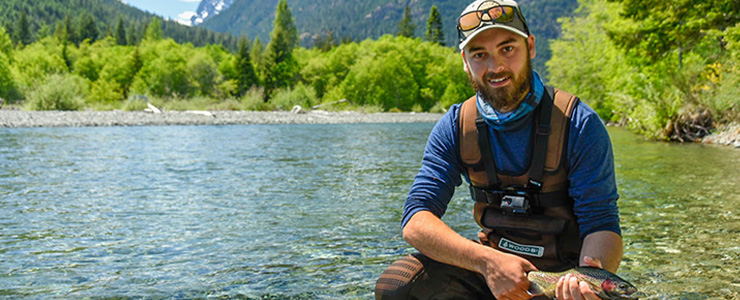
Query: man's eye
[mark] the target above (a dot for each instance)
(508, 49)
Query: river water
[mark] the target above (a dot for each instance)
(304, 212)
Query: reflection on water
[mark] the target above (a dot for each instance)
(304, 211)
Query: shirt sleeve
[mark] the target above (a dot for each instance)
(435, 183)
(591, 173)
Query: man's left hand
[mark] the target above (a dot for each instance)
(569, 288)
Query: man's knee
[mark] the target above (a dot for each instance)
(396, 280)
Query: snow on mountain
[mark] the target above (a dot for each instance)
(209, 8)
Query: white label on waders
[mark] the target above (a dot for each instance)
(536, 251)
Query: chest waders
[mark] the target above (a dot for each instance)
(530, 214)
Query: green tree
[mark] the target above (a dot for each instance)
(7, 85)
(325, 42)
(22, 31)
(88, 28)
(246, 76)
(434, 27)
(662, 26)
(43, 32)
(33, 63)
(154, 30)
(120, 34)
(70, 33)
(406, 27)
(203, 71)
(586, 62)
(133, 36)
(164, 70)
(6, 43)
(258, 56)
(280, 65)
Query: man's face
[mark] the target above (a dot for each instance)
(498, 65)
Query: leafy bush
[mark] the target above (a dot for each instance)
(58, 92)
(164, 72)
(254, 99)
(104, 91)
(302, 95)
(7, 85)
(134, 104)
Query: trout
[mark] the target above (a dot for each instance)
(605, 284)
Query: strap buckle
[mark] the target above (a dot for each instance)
(486, 196)
(543, 129)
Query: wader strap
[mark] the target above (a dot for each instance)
(551, 199)
(484, 142)
(542, 132)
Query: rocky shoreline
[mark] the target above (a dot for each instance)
(20, 118)
(728, 135)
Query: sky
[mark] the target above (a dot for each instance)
(178, 10)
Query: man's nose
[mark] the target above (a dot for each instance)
(495, 65)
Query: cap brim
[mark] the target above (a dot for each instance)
(487, 27)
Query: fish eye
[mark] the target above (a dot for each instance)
(622, 286)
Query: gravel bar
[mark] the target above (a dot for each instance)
(20, 118)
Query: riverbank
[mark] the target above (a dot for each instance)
(21, 118)
(727, 135)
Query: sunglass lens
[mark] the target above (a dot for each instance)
(469, 20)
(502, 14)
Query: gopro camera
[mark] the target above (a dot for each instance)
(515, 202)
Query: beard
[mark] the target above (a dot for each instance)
(504, 98)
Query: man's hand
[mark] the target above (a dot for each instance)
(506, 276)
(569, 288)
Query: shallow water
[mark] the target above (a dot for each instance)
(303, 211)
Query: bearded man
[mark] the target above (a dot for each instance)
(540, 168)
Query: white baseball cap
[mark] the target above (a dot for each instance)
(482, 15)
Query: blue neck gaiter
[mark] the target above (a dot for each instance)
(499, 121)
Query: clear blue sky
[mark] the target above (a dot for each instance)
(173, 9)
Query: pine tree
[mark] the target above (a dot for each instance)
(246, 77)
(22, 30)
(120, 34)
(69, 33)
(284, 36)
(154, 30)
(280, 66)
(133, 36)
(325, 43)
(43, 32)
(406, 27)
(88, 28)
(258, 50)
(434, 27)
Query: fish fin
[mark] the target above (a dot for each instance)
(535, 289)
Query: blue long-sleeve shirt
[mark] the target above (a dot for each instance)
(589, 163)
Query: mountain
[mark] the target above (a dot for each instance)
(208, 9)
(359, 20)
(43, 16)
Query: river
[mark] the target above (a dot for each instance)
(304, 212)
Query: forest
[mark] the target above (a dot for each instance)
(665, 69)
(396, 73)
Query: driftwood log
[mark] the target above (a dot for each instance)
(691, 126)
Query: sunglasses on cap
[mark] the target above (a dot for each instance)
(490, 12)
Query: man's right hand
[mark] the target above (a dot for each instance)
(506, 275)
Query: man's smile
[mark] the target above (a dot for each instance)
(498, 81)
